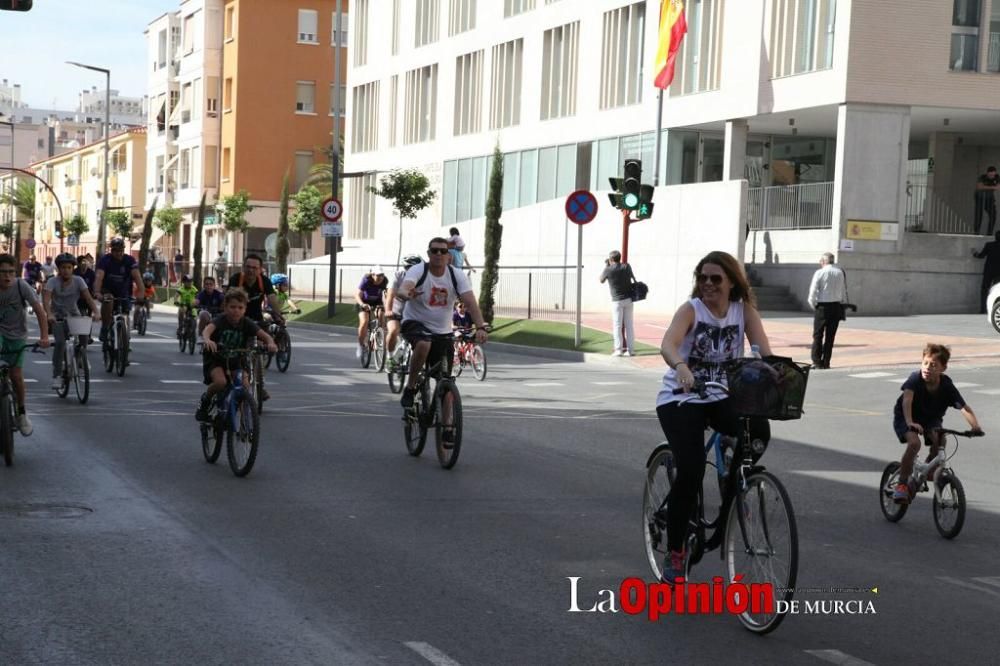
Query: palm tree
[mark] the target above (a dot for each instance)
(321, 174)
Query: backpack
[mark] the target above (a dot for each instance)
(260, 284)
(20, 292)
(451, 272)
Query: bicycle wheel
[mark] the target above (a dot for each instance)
(949, 510)
(211, 439)
(182, 336)
(140, 321)
(379, 351)
(660, 475)
(890, 478)
(122, 361)
(283, 357)
(7, 429)
(448, 397)
(108, 352)
(762, 546)
(414, 423)
(479, 362)
(67, 372)
(81, 378)
(366, 351)
(241, 443)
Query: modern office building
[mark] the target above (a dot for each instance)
(852, 126)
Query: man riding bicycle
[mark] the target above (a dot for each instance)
(370, 294)
(116, 273)
(429, 290)
(61, 295)
(259, 289)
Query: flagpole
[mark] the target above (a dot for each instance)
(659, 132)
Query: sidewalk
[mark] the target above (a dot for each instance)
(860, 341)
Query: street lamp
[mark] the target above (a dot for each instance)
(107, 135)
(10, 184)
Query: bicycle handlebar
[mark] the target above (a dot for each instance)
(961, 433)
(701, 388)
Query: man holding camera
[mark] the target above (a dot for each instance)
(827, 296)
(619, 277)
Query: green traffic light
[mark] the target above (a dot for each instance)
(631, 200)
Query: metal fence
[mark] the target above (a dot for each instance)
(805, 206)
(927, 211)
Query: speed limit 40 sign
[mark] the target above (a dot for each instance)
(332, 209)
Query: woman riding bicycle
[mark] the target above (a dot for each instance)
(370, 293)
(706, 331)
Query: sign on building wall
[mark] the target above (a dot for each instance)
(869, 230)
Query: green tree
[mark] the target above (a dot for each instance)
(409, 191)
(168, 220)
(76, 225)
(494, 234)
(308, 214)
(147, 234)
(120, 222)
(321, 174)
(199, 228)
(282, 246)
(234, 211)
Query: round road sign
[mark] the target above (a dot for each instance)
(332, 210)
(581, 207)
(30, 243)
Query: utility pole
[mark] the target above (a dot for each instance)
(331, 243)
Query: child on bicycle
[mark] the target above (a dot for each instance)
(461, 321)
(186, 295)
(927, 395)
(228, 331)
(285, 303)
(209, 303)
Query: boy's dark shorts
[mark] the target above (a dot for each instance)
(899, 425)
(213, 361)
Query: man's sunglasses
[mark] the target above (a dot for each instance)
(715, 279)
(437, 250)
(8, 271)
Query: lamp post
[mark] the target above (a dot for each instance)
(10, 184)
(107, 137)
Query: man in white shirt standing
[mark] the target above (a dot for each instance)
(827, 296)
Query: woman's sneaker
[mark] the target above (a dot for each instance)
(901, 494)
(24, 424)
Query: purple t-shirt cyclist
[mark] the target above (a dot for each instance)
(371, 291)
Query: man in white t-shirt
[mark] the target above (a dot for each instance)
(430, 290)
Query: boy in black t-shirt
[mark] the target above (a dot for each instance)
(927, 395)
(230, 330)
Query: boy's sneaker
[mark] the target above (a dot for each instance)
(673, 566)
(358, 351)
(202, 413)
(407, 400)
(901, 494)
(24, 424)
(617, 352)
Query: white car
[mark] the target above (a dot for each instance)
(993, 306)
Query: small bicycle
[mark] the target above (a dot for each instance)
(142, 315)
(949, 495)
(187, 334)
(469, 352)
(429, 411)
(75, 366)
(233, 415)
(9, 407)
(282, 357)
(375, 341)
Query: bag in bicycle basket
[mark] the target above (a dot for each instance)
(773, 387)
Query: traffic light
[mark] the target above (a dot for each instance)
(631, 184)
(616, 196)
(15, 5)
(644, 211)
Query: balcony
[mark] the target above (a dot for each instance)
(803, 206)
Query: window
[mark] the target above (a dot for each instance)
(195, 168)
(212, 96)
(361, 223)
(396, 13)
(559, 57)
(427, 21)
(464, 189)
(364, 118)
(189, 34)
(227, 95)
(993, 54)
(529, 178)
(461, 16)
(175, 41)
(308, 26)
(393, 108)
(159, 173)
(343, 99)
(185, 171)
(515, 7)
(230, 23)
(303, 162)
(227, 164)
(468, 93)
(621, 56)
(420, 105)
(505, 110)
(801, 34)
(343, 29)
(965, 18)
(161, 50)
(305, 97)
(360, 33)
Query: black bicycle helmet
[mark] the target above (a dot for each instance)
(411, 260)
(117, 242)
(65, 258)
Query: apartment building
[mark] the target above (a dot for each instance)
(852, 126)
(77, 180)
(124, 110)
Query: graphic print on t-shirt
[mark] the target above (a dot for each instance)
(438, 298)
(711, 346)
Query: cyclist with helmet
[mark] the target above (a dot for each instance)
(60, 297)
(394, 307)
(281, 288)
(148, 292)
(185, 298)
(370, 293)
(209, 303)
(116, 272)
(259, 291)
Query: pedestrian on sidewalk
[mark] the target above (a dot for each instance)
(986, 187)
(991, 269)
(827, 296)
(619, 278)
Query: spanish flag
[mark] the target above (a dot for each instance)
(673, 27)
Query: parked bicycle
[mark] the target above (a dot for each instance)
(440, 410)
(187, 333)
(374, 346)
(949, 495)
(116, 347)
(469, 352)
(234, 416)
(9, 406)
(75, 365)
(398, 373)
(755, 525)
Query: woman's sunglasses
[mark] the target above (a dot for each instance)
(715, 279)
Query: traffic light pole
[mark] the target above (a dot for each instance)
(626, 221)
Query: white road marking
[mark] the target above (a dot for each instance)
(838, 657)
(537, 384)
(187, 364)
(28, 380)
(965, 384)
(989, 391)
(326, 380)
(180, 381)
(104, 381)
(896, 380)
(872, 375)
(968, 585)
(609, 383)
(989, 580)
(431, 653)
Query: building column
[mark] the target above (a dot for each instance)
(870, 172)
(735, 152)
